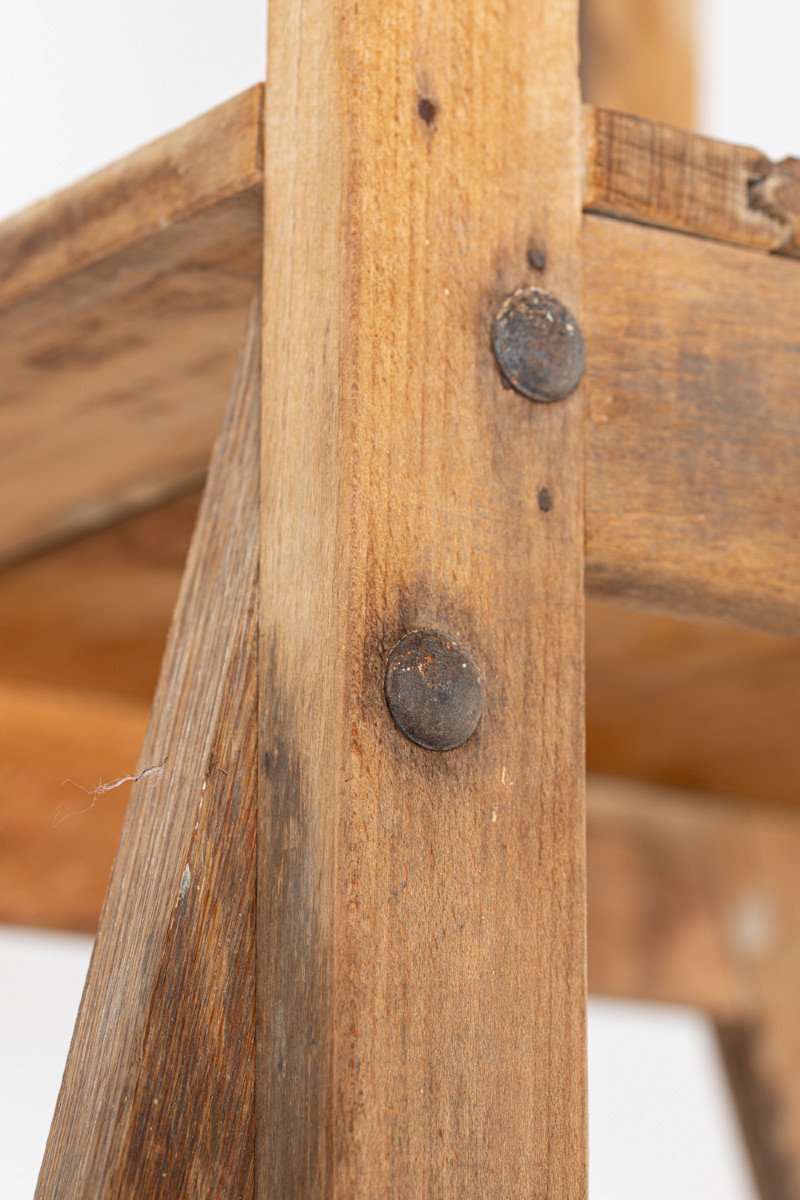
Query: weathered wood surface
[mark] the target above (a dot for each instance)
(157, 1097)
(640, 56)
(194, 169)
(661, 175)
(102, 327)
(693, 444)
(421, 926)
(122, 304)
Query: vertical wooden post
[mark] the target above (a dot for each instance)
(421, 914)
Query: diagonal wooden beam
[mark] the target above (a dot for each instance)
(157, 1096)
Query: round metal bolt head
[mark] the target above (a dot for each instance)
(434, 690)
(538, 345)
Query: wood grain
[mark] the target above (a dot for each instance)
(157, 1097)
(693, 491)
(698, 902)
(421, 929)
(640, 56)
(660, 175)
(122, 306)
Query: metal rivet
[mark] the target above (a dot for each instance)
(538, 345)
(433, 689)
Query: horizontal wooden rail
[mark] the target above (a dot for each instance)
(693, 375)
(683, 907)
(645, 171)
(123, 300)
(122, 304)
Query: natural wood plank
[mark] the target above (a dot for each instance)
(122, 304)
(639, 55)
(693, 491)
(56, 848)
(677, 903)
(157, 1097)
(421, 931)
(662, 175)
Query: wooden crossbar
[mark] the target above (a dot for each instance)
(691, 422)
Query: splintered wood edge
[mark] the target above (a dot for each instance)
(658, 174)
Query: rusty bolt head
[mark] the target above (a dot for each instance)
(538, 345)
(433, 689)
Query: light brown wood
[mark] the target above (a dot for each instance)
(122, 304)
(194, 169)
(699, 903)
(100, 347)
(421, 924)
(699, 705)
(157, 1097)
(675, 896)
(660, 175)
(640, 56)
(94, 614)
(693, 492)
(56, 842)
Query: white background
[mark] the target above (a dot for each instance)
(84, 82)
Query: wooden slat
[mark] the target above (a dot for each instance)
(195, 169)
(679, 898)
(421, 940)
(661, 175)
(693, 487)
(157, 1097)
(640, 56)
(122, 303)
